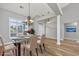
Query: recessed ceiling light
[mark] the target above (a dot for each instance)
(42, 14)
(21, 6)
(48, 12)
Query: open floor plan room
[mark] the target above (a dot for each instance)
(39, 29)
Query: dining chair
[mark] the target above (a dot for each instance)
(7, 47)
(1, 50)
(32, 45)
(1, 47)
(40, 42)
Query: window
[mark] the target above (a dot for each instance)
(16, 27)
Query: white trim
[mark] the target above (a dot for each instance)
(51, 37)
(46, 17)
(71, 39)
(76, 40)
(58, 30)
(61, 13)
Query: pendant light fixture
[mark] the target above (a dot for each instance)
(29, 20)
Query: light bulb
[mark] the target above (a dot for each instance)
(31, 21)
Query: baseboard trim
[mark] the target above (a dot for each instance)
(70, 39)
(52, 38)
(76, 40)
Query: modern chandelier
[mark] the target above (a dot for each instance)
(29, 19)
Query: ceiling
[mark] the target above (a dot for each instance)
(36, 9)
(63, 5)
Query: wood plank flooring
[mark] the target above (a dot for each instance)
(67, 48)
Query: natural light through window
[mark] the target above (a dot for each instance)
(16, 27)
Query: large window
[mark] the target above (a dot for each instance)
(16, 27)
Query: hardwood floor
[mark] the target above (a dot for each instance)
(67, 48)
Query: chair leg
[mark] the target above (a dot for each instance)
(3, 54)
(24, 51)
(13, 51)
(44, 46)
(36, 51)
(41, 48)
(30, 53)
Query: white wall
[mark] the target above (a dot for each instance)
(50, 29)
(4, 22)
(70, 15)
